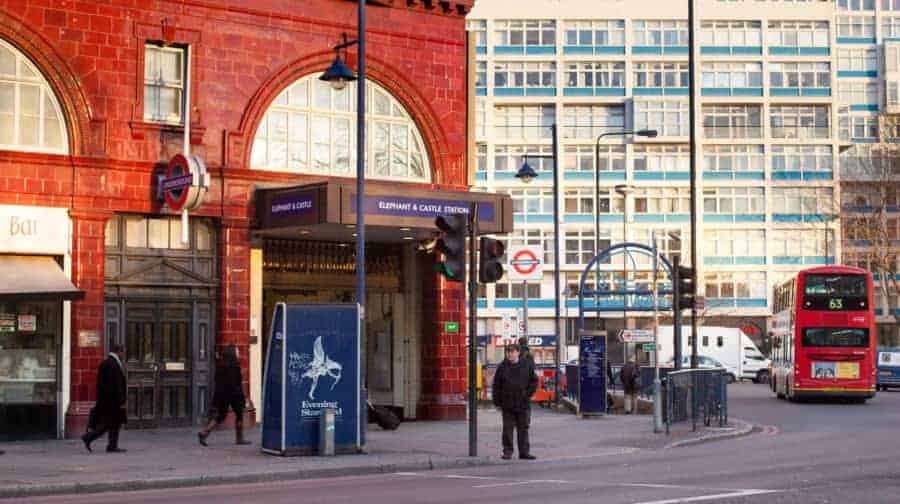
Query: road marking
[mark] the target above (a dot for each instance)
(621, 451)
(466, 476)
(700, 498)
(516, 483)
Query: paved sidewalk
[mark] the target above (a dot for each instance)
(172, 457)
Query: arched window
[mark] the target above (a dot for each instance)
(311, 128)
(30, 116)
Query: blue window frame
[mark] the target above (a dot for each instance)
(532, 78)
(800, 79)
(802, 246)
(660, 78)
(857, 62)
(594, 37)
(662, 204)
(731, 79)
(735, 289)
(858, 128)
(734, 247)
(524, 37)
(661, 162)
(802, 162)
(799, 38)
(856, 29)
(509, 158)
(734, 162)
(860, 96)
(659, 37)
(734, 204)
(579, 164)
(803, 204)
(599, 78)
(731, 38)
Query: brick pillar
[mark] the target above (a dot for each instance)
(89, 229)
(443, 354)
(234, 296)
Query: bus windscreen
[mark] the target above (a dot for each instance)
(835, 292)
(835, 337)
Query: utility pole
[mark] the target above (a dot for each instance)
(676, 311)
(692, 103)
(473, 331)
(657, 385)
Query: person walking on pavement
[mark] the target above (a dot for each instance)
(629, 376)
(229, 392)
(108, 414)
(525, 352)
(514, 383)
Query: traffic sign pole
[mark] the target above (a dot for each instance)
(525, 307)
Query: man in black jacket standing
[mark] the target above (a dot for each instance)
(108, 414)
(514, 384)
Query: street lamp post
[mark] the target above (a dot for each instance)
(641, 133)
(526, 174)
(624, 190)
(657, 384)
(338, 75)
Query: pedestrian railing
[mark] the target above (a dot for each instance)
(645, 381)
(696, 395)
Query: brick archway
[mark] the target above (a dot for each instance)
(65, 84)
(240, 143)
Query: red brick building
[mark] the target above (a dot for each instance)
(93, 94)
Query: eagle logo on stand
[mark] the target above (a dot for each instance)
(320, 366)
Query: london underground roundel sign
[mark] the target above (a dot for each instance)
(525, 263)
(185, 183)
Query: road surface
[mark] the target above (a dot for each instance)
(802, 453)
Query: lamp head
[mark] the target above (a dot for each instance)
(338, 74)
(526, 173)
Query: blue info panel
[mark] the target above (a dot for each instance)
(592, 374)
(313, 363)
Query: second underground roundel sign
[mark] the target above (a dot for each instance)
(185, 183)
(525, 263)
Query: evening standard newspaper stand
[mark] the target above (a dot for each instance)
(313, 363)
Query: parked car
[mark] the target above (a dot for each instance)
(704, 362)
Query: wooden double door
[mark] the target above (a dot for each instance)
(168, 357)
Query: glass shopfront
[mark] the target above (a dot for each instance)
(30, 342)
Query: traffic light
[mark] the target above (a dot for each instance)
(490, 269)
(453, 245)
(685, 287)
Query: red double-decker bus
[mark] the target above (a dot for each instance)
(824, 339)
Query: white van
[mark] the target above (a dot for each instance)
(737, 353)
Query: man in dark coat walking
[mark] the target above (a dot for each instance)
(630, 373)
(108, 413)
(514, 384)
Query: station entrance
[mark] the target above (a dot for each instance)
(307, 238)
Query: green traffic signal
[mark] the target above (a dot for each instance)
(452, 244)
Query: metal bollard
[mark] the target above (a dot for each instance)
(326, 432)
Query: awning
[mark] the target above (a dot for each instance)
(34, 277)
(394, 212)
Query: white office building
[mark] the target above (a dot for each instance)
(770, 129)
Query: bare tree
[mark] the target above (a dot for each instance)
(870, 185)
